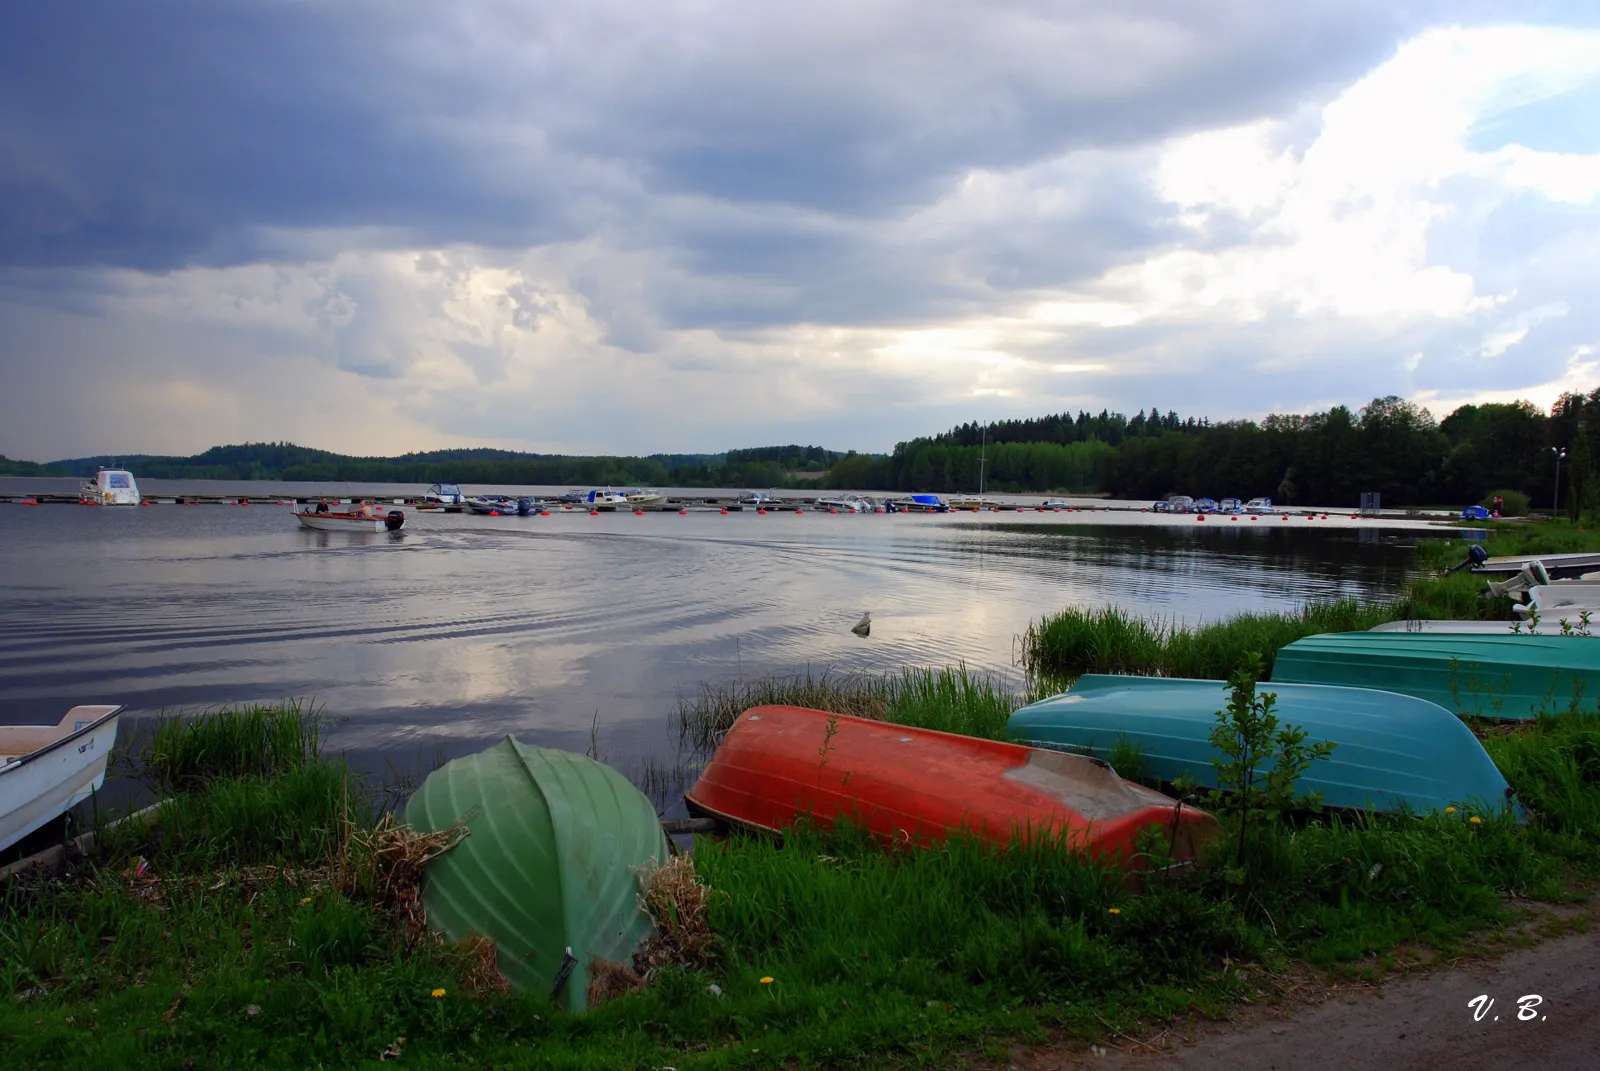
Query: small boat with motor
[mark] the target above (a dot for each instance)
(1391, 752)
(779, 765)
(1507, 676)
(755, 500)
(1056, 503)
(972, 503)
(110, 487)
(572, 498)
(1555, 566)
(1230, 505)
(46, 770)
(1259, 505)
(644, 498)
(500, 505)
(362, 517)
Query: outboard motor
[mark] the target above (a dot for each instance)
(1532, 575)
(1476, 556)
(393, 520)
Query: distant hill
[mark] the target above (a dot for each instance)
(762, 466)
(12, 467)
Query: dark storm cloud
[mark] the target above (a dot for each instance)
(172, 132)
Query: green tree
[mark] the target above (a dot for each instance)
(1260, 759)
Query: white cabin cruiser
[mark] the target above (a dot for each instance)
(607, 501)
(640, 498)
(110, 487)
(46, 770)
(447, 496)
(364, 517)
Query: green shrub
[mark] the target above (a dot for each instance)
(1512, 503)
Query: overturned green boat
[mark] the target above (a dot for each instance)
(1392, 752)
(1511, 677)
(550, 866)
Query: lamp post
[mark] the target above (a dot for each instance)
(1555, 508)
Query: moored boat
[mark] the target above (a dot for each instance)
(972, 503)
(1544, 627)
(919, 503)
(1565, 564)
(446, 496)
(1512, 677)
(755, 500)
(607, 501)
(1391, 751)
(778, 765)
(550, 865)
(46, 770)
(360, 518)
(110, 487)
(845, 504)
(645, 498)
(500, 505)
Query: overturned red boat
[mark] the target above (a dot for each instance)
(780, 764)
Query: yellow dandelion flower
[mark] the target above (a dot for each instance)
(1449, 810)
(437, 993)
(1475, 820)
(306, 900)
(767, 980)
(1114, 911)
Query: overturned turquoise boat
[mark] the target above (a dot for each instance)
(1505, 676)
(1392, 752)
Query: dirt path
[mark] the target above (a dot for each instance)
(1420, 1022)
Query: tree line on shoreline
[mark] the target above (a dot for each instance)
(1390, 446)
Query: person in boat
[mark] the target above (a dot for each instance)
(322, 507)
(366, 509)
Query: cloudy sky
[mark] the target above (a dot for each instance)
(628, 227)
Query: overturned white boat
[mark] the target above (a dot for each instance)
(46, 770)
(362, 518)
(110, 487)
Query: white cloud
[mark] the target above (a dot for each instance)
(1280, 262)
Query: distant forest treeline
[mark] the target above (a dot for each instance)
(765, 466)
(1390, 446)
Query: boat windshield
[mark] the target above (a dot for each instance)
(117, 480)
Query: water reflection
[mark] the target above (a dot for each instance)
(459, 629)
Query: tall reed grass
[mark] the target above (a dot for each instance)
(954, 700)
(1076, 641)
(178, 752)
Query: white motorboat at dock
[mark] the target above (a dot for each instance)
(46, 770)
(110, 487)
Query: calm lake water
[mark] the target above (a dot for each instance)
(440, 639)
